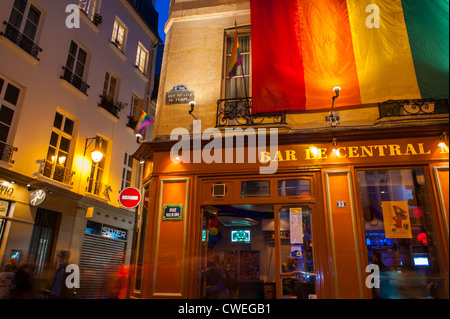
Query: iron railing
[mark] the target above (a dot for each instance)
(132, 122)
(97, 188)
(110, 106)
(413, 107)
(21, 40)
(238, 112)
(57, 172)
(75, 80)
(6, 152)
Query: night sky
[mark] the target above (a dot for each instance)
(162, 6)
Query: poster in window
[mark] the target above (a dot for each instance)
(249, 264)
(296, 225)
(397, 223)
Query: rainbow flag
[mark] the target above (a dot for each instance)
(143, 121)
(375, 50)
(235, 58)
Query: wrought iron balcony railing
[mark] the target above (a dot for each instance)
(413, 107)
(21, 40)
(97, 188)
(131, 122)
(6, 152)
(57, 172)
(75, 80)
(237, 112)
(110, 106)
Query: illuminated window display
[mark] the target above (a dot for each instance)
(400, 234)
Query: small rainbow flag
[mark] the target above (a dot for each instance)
(235, 59)
(143, 121)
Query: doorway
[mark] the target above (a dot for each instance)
(257, 251)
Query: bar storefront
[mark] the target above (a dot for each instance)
(315, 228)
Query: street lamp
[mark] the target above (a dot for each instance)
(332, 117)
(96, 154)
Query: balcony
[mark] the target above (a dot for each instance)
(21, 40)
(237, 112)
(98, 189)
(6, 153)
(110, 106)
(57, 172)
(74, 80)
(131, 122)
(395, 108)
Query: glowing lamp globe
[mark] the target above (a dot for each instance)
(96, 156)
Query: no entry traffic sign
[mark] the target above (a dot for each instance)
(130, 197)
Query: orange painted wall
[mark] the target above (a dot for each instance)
(170, 246)
(346, 279)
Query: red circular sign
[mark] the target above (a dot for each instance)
(130, 197)
(146, 195)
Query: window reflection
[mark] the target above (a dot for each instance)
(399, 232)
(297, 268)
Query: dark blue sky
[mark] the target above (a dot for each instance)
(162, 6)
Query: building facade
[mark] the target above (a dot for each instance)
(287, 204)
(74, 76)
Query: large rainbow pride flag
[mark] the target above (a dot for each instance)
(302, 49)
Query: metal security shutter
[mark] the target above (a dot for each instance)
(100, 258)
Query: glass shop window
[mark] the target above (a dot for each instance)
(255, 189)
(294, 187)
(400, 234)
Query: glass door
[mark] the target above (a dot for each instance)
(296, 272)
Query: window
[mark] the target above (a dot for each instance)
(109, 87)
(238, 86)
(400, 234)
(9, 98)
(58, 154)
(127, 170)
(119, 35)
(75, 67)
(255, 189)
(90, 7)
(141, 58)
(136, 105)
(25, 18)
(4, 212)
(294, 187)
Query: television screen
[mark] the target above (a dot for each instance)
(421, 261)
(240, 236)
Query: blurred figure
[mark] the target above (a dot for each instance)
(13, 262)
(23, 285)
(215, 288)
(116, 285)
(6, 281)
(59, 288)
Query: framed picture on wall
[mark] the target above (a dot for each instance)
(16, 254)
(249, 264)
